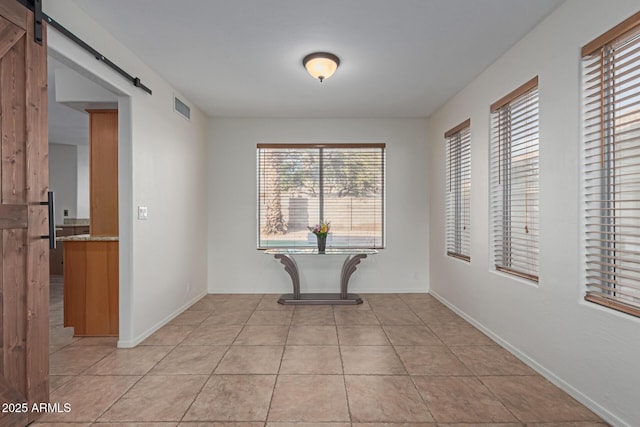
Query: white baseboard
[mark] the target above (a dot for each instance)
(553, 378)
(137, 340)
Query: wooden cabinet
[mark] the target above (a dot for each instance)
(91, 279)
(91, 287)
(56, 259)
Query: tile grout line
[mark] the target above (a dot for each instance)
(405, 367)
(210, 375)
(474, 375)
(202, 387)
(344, 376)
(117, 400)
(143, 376)
(477, 377)
(450, 351)
(149, 370)
(277, 376)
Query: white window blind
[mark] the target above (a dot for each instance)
(611, 89)
(300, 185)
(458, 182)
(514, 181)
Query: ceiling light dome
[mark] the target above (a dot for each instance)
(321, 65)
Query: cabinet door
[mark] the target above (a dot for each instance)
(55, 255)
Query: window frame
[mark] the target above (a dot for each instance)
(457, 219)
(501, 205)
(320, 148)
(611, 272)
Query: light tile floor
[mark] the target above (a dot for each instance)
(247, 361)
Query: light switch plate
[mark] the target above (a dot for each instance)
(142, 212)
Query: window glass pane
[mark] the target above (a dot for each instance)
(288, 185)
(300, 186)
(514, 185)
(611, 88)
(458, 191)
(353, 196)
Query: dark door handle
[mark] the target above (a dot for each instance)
(52, 222)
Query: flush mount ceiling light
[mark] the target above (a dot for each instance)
(321, 65)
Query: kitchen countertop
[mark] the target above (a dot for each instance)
(87, 238)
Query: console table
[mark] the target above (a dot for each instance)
(286, 257)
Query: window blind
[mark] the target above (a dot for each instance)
(300, 185)
(458, 182)
(514, 181)
(611, 90)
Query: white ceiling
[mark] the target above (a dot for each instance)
(242, 58)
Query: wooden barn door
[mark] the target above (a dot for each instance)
(24, 275)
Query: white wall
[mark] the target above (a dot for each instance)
(590, 351)
(234, 263)
(63, 179)
(162, 165)
(69, 179)
(72, 88)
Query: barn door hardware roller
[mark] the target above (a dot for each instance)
(37, 21)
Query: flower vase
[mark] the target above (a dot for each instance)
(322, 242)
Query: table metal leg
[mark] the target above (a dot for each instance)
(348, 268)
(291, 267)
(343, 297)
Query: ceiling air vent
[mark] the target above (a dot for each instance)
(181, 108)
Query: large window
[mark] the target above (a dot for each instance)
(458, 182)
(611, 87)
(300, 185)
(514, 181)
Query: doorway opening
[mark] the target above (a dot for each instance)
(83, 152)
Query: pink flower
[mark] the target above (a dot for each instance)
(322, 228)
